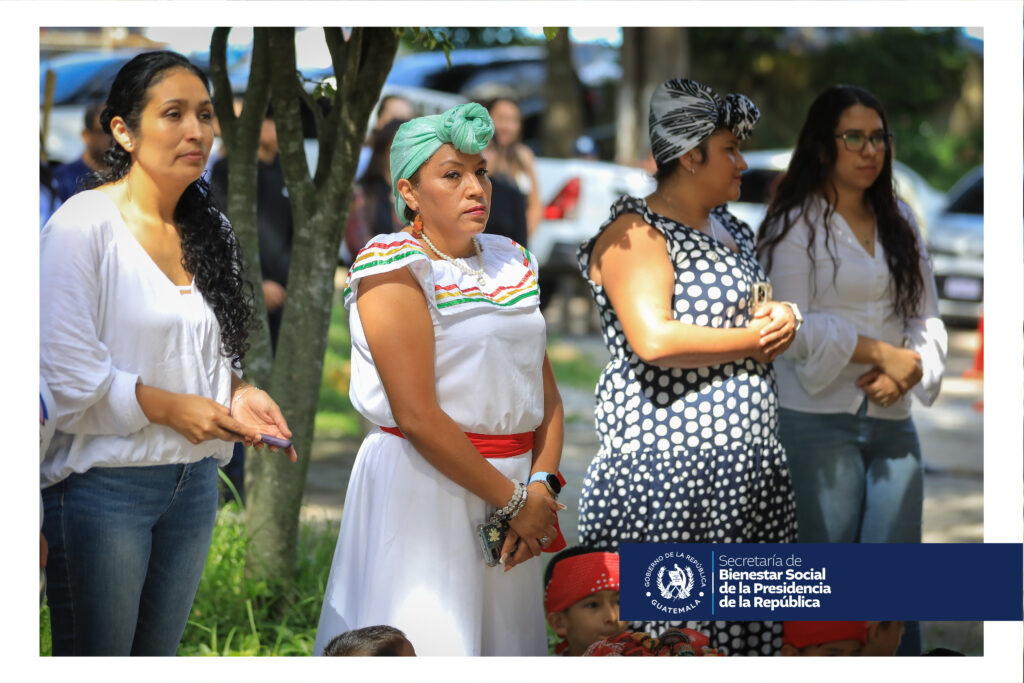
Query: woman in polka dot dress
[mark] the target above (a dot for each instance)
(686, 408)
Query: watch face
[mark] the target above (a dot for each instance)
(553, 483)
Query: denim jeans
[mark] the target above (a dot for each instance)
(856, 479)
(127, 549)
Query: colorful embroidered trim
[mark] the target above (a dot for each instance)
(383, 253)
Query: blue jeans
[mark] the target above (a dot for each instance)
(856, 479)
(127, 549)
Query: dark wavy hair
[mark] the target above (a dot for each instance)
(810, 173)
(209, 248)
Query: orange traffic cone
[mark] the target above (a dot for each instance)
(977, 369)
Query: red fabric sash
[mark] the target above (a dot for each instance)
(504, 446)
(490, 445)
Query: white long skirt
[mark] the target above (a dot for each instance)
(408, 556)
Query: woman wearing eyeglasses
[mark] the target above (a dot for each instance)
(838, 243)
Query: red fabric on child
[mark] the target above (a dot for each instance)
(574, 578)
(672, 643)
(801, 634)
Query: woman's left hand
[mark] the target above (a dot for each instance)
(778, 334)
(256, 409)
(879, 387)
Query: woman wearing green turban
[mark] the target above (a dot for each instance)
(448, 359)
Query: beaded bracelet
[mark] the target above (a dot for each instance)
(514, 504)
(236, 399)
(522, 503)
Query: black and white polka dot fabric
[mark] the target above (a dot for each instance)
(689, 455)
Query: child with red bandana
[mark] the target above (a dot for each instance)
(823, 638)
(581, 600)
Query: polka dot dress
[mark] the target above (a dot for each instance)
(690, 455)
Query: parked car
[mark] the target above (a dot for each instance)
(577, 194)
(956, 244)
(765, 168)
(518, 72)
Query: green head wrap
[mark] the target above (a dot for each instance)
(468, 127)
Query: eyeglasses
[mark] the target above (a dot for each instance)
(855, 142)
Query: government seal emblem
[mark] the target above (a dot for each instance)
(675, 582)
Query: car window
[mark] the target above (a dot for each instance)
(971, 201)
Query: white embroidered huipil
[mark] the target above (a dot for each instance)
(108, 318)
(815, 374)
(407, 553)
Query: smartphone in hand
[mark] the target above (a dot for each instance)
(274, 441)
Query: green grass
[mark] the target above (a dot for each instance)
(335, 415)
(573, 368)
(234, 614)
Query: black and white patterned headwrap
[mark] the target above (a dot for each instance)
(684, 113)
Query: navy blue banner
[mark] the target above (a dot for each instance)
(821, 581)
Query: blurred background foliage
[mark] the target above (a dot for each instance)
(930, 80)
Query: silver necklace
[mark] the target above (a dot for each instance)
(709, 222)
(477, 272)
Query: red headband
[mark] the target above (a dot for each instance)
(576, 577)
(801, 634)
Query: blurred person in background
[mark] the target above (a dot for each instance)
(390, 108)
(373, 195)
(70, 177)
(838, 242)
(273, 216)
(509, 159)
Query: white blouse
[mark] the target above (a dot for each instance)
(109, 318)
(489, 341)
(815, 374)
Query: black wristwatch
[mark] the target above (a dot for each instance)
(550, 480)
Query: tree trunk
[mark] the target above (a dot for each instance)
(241, 140)
(563, 120)
(650, 55)
(274, 485)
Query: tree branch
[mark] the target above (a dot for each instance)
(285, 84)
(223, 103)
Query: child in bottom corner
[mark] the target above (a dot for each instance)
(823, 638)
(581, 600)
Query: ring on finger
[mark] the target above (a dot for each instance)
(543, 540)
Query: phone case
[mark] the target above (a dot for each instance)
(274, 441)
(492, 537)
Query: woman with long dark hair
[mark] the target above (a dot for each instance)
(838, 241)
(512, 161)
(142, 332)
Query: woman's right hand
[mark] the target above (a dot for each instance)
(535, 520)
(197, 418)
(903, 366)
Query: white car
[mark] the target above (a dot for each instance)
(576, 195)
(957, 247)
